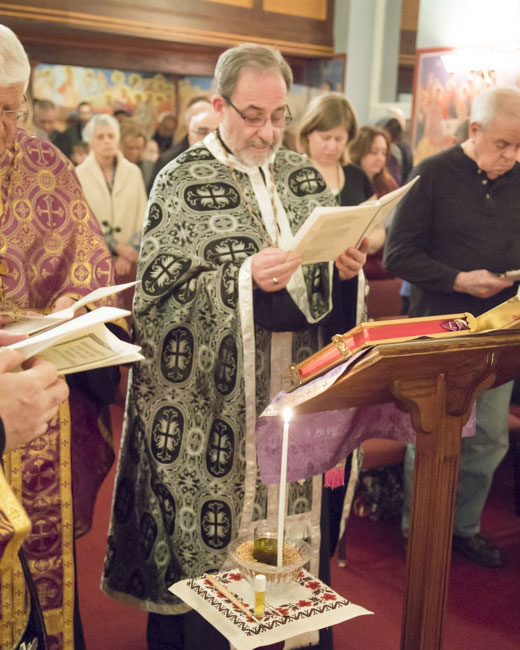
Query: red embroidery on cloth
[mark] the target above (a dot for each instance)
(327, 596)
(323, 599)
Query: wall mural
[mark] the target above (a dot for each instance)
(446, 84)
(143, 95)
(146, 95)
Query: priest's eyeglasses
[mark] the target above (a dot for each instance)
(14, 114)
(278, 120)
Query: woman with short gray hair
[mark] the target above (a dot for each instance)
(114, 187)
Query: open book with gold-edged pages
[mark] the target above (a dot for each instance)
(328, 232)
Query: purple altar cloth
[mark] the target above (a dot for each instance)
(319, 441)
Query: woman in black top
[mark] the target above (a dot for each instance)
(325, 131)
(326, 128)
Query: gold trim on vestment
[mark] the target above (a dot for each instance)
(17, 595)
(105, 432)
(15, 611)
(62, 620)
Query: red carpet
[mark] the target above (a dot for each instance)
(483, 603)
(107, 623)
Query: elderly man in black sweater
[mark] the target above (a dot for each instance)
(453, 236)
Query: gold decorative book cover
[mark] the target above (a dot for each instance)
(343, 346)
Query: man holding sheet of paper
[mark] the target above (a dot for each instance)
(220, 312)
(52, 253)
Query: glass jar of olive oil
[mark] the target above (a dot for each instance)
(265, 544)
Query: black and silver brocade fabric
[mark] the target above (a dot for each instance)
(180, 483)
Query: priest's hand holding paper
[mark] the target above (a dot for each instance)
(122, 266)
(480, 283)
(64, 302)
(271, 270)
(376, 239)
(127, 251)
(352, 261)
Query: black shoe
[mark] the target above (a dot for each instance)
(479, 550)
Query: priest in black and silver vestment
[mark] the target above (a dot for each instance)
(220, 313)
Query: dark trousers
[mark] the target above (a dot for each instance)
(328, 532)
(79, 639)
(183, 632)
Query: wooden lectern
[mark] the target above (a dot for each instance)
(436, 381)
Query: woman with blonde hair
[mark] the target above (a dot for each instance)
(328, 125)
(326, 128)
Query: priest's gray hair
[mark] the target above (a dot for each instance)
(261, 58)
(97, 121)
(499, 100)
(14, 63)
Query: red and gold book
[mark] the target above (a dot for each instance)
(343, 346)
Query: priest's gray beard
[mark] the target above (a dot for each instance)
(245, 150)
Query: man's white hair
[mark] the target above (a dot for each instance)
(14, 63)
(498, 100)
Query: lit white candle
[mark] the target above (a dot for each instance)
(283, 483)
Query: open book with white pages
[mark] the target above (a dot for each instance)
(27, 323)
(76, 344)
(83, 343)
(328, 232)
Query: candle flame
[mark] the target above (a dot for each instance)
(287, 415)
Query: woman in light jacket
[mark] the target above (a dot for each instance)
(115, 190)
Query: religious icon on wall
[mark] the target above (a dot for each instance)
(143, 95)
(446, 84)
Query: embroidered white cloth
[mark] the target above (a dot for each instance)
(305, 605)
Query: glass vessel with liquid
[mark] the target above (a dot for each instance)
(265, 545)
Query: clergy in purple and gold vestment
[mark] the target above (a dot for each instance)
(51, 253)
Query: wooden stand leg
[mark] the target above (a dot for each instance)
(431, 524)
